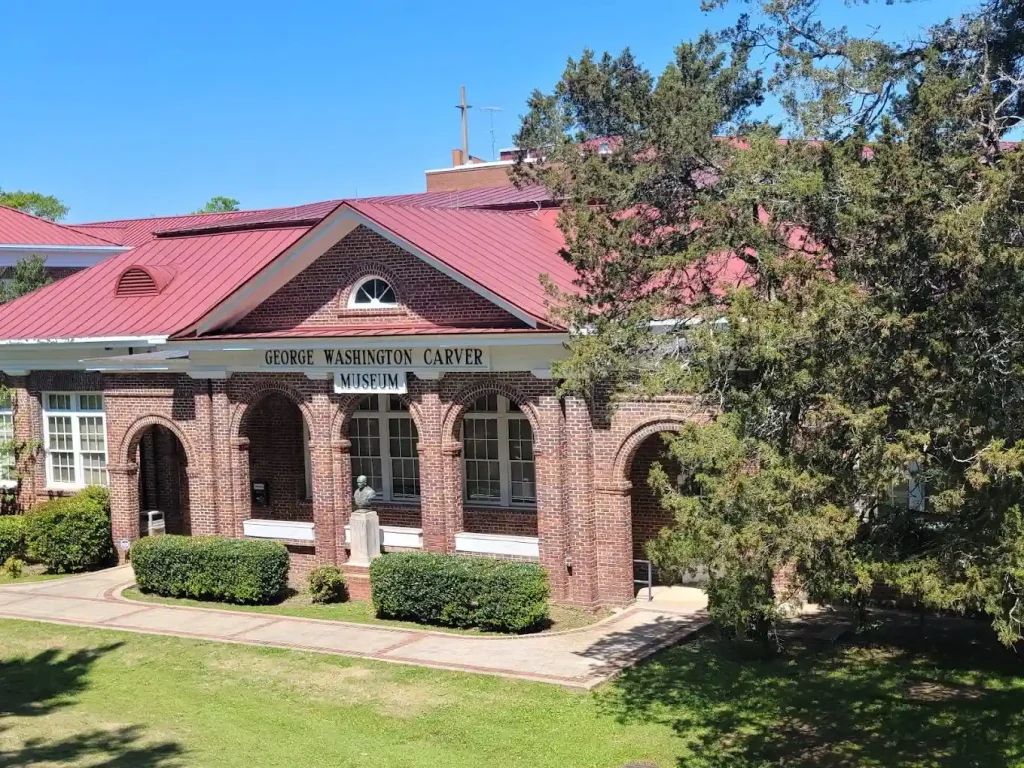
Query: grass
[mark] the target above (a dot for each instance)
(80, 697)
(30, 573)
(359, 612)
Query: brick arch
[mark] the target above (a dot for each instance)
(347, 407)
(261, 389)
(365, 269)
(629, 446)
(452, 418)
(133, 435)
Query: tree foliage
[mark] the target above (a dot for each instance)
(45, 206)
(847, 301)
(28, 274)
(219, 204)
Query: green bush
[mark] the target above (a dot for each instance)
(211, 568)
(460, 591)
(72, 533)
(12, 568)
(327, 585)
(12, 537)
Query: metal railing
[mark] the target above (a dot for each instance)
(649, 581)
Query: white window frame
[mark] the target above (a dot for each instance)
(375, 304)
(8, 462)
(75, 413)
(503, 415)
(384, 416)
(910, 494)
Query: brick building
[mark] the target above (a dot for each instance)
(236, 371)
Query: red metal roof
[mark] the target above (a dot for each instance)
(138, 231)
(502, 252)
(18, 228)
(205, 271)
(488, 197)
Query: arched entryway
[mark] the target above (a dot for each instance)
(163, 478)
(279, 462)
(648, 516)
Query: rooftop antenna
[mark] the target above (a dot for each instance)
(491, 111)
(462, 105)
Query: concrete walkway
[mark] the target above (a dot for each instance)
(581, 658)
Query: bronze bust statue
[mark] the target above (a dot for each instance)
(364, 494)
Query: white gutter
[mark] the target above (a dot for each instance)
(383, 342)
(146, 340)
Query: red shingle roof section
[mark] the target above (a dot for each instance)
(18, 228)
(206, 270)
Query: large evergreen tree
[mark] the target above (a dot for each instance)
(849, 301)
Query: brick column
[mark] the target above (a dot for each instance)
(580, 503)
(242, 502)
(341, 460)
(614, 533)
(28, 458)
(124, 504)
(324, 518)
(441, 494)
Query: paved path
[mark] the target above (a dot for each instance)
(579, 658)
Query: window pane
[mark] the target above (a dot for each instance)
(62, 466)
(366, 459)
(403, 440)
(522, 471)
(91, 433)
(369, 403)
(480, 447)
(58, 402)
(395, 403)
(484, 404)
(94, 468)
(6, 449)
(59, 431)
(90, 402)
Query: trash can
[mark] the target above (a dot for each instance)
(151, 523)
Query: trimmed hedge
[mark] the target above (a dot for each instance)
(327, 585)
(71, 533)
(12, 537)
(211, 568)
(459, 591)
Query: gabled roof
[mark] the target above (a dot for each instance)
(220, 272)
(205, 270)
(22, 229)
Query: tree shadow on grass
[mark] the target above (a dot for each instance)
(50, 680)
(883, 701)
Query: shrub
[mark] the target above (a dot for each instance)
(12, 537)
(12, 567)
(327, 585)
(211, 568)
(459, 591)
(71, 533)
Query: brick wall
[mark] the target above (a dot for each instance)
(648, 516)
(319, 295)
(469, 178)
(277, 458)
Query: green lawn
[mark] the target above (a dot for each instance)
(77, 697)
(31, 573)
(358, 611)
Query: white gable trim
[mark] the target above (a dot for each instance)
(311, 246)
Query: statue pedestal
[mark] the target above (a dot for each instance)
(364, 527)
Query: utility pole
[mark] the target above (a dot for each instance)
(462, 105)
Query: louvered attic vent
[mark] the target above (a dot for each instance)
(142, 281)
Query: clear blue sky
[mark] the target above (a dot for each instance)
(126, 109)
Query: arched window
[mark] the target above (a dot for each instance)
(372, 292)
(497, 454)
